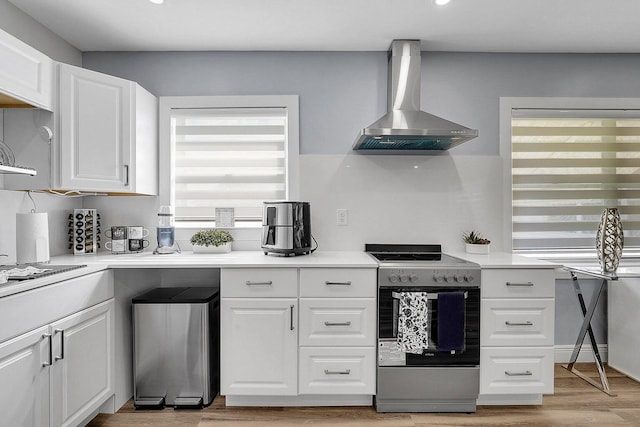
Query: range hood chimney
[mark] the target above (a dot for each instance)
(405, 128)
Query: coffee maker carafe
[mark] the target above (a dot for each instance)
(166, 232)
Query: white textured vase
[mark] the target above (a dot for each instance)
(475, 248)
(197, 249)
(609, 240)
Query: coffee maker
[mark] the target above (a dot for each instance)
(286, 228)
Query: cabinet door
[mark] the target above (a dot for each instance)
(82, 370)
(259, 346)
(94, 146)
(24, 380)
(26, 75)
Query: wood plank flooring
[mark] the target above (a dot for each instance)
(575, 403)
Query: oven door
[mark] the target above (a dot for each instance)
(390, 353)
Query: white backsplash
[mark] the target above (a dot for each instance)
(390, 199)
(58, 209)
(402, 199)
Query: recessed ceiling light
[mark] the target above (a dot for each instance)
(162, 1)
(441, 2)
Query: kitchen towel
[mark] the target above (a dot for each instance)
(413, 322)
(32, 238)
(451, 321)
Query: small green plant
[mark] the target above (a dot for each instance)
(211, 238)
(475, 238)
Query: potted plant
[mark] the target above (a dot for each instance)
(475, 243)
(211, 241)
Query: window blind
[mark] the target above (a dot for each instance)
(566, 167)
(228, 158)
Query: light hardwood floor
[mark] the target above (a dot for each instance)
(575, 403)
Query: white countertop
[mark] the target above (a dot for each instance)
(504, 260)
(234, 259)
(248, 259)
(14, 287)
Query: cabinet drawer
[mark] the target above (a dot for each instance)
(22, 312)
(337, 322)
(326, 370)
(337, 282)
(524, 370)
(518, 283)
(259, 282)
(516, 322)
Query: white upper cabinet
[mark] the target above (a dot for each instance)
(108, 139)
(26, 75)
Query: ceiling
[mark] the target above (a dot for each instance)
(342, 25)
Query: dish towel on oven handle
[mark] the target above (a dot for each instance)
(451, 321)
(413, 322)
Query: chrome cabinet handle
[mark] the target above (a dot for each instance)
(527, 284)
(347, 283)
(291, 316)
(337, 323)
(518, 374)
(527, 323)
(126, 175)
(250, 283)
(48, 336)
(328, 372)
(61, 331)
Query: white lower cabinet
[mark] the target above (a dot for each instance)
(24, 381)
(82, 368)
(516, 335)
(337, 370)
(523, 370)
(60, 373)
(297, 333)
(259, 343)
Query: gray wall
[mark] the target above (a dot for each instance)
(341, 92)
(17, 23)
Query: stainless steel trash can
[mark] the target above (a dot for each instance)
(176, 347)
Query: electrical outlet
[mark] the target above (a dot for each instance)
(342, 217)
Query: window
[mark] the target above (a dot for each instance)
(566, 166)
(229, 152)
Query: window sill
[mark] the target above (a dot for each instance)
(199, 225)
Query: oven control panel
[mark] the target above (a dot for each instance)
(429, 276)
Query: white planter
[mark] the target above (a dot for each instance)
(473, 248)
(212, 249)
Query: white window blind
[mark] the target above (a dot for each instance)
(228, 158)
(566, 167)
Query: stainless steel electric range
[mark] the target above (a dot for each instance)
(428, 330)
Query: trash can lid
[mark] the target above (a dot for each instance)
(184, 295)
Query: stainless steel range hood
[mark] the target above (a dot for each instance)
(405, 128)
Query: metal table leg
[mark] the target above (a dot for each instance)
(586, 328)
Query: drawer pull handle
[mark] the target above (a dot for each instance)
(250, 283)
(337, 323)
(347, 283)
(527, 323)
(328, 372)
(518, 374)
(527, 284)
